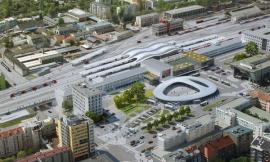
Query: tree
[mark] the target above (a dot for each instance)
(239, 57)
(187, 110)
(156, 123)
(169, 117)
(149, 126)
(163, 119)
(67, 105)
(138, 91)
(95, 117)
(175, 115)
(251, 48)
(61, 21)
(21, 154)
(182, 111)
(128, 96)
(119, 101)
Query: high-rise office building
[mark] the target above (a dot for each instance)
(86, 99)
(77, 133)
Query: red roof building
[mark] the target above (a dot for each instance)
(60, 154)
(222, 148)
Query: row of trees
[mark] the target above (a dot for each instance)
(135, 94)
(251, 49)
(177, 116)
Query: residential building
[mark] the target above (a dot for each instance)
(222, 148)
(150, 4)
(147, 20)
(260, 149)
(101, 10)
(78, 134)
(38, 41)
(50, 21)
(100, 28)
(245, 13)
(120, 80)
(263, 99)
(7, 24)
(259, 36)
(77, 14)
(167, 26)
(242, 138)
(86, 99)
(230, 114)
(185, 12)
(59, 154)
(256, 69)
(11, 142)
(65, 30)
(21, 138)
(3, 84)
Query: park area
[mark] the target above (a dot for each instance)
(132, 101)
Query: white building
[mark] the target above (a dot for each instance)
(86, 99)
(147, 20)
(187, 133)
(231, 114)
(260, 36)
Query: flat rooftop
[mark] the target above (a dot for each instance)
(261, 33)
(254, 63)
(238, 130)
(86, 90)
(185, 9)
(156, 64)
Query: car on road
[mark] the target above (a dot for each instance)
(49, 111)
(142, 137)
(138, 41)
(150, 142)
(154, 136)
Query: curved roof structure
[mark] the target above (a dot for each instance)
(203, 87)
(154, 49)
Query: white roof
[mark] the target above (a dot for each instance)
(32, 63)
(203, 86)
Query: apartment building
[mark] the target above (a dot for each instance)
(100, 10)
(221, 148)
(242, 137)
(147, 20)
(86, 99)
(25, 136)
(263, 99)
(260, 150)
(78, 134)
(59, 154)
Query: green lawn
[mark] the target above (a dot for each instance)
(148, 93)
(17, 121)
(134, 108)
(210, 107)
